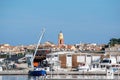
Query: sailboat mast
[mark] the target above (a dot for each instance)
(43, 31)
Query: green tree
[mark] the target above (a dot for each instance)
(114, 41)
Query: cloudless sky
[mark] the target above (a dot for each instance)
(87, 21)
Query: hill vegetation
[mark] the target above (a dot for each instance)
(114, 41)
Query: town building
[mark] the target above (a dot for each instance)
(113, 49)
(8, 49)
(72, 59)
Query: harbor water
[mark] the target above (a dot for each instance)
(58, 77)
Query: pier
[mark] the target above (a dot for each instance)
(62, 75)
(14, 72)
(25, 72)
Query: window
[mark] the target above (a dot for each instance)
(68, 55)
(56, 55)
(88, 55)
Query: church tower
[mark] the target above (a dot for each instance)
(60, 39)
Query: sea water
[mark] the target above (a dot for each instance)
(26, 77)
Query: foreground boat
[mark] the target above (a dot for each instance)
(37, 72)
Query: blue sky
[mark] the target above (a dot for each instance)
(88, 21)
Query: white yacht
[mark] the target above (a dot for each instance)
(83, 67)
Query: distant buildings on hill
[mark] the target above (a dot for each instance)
(7, 48)
(61, 46)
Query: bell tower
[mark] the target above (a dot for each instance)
(60, 39)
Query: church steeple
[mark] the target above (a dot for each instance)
(60, 39)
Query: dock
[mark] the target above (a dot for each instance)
(14, 72)
(25, 72)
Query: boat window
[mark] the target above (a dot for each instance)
(102, 66)
(97, 65)
(93, 65)
(110, 61)
(106, 61)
